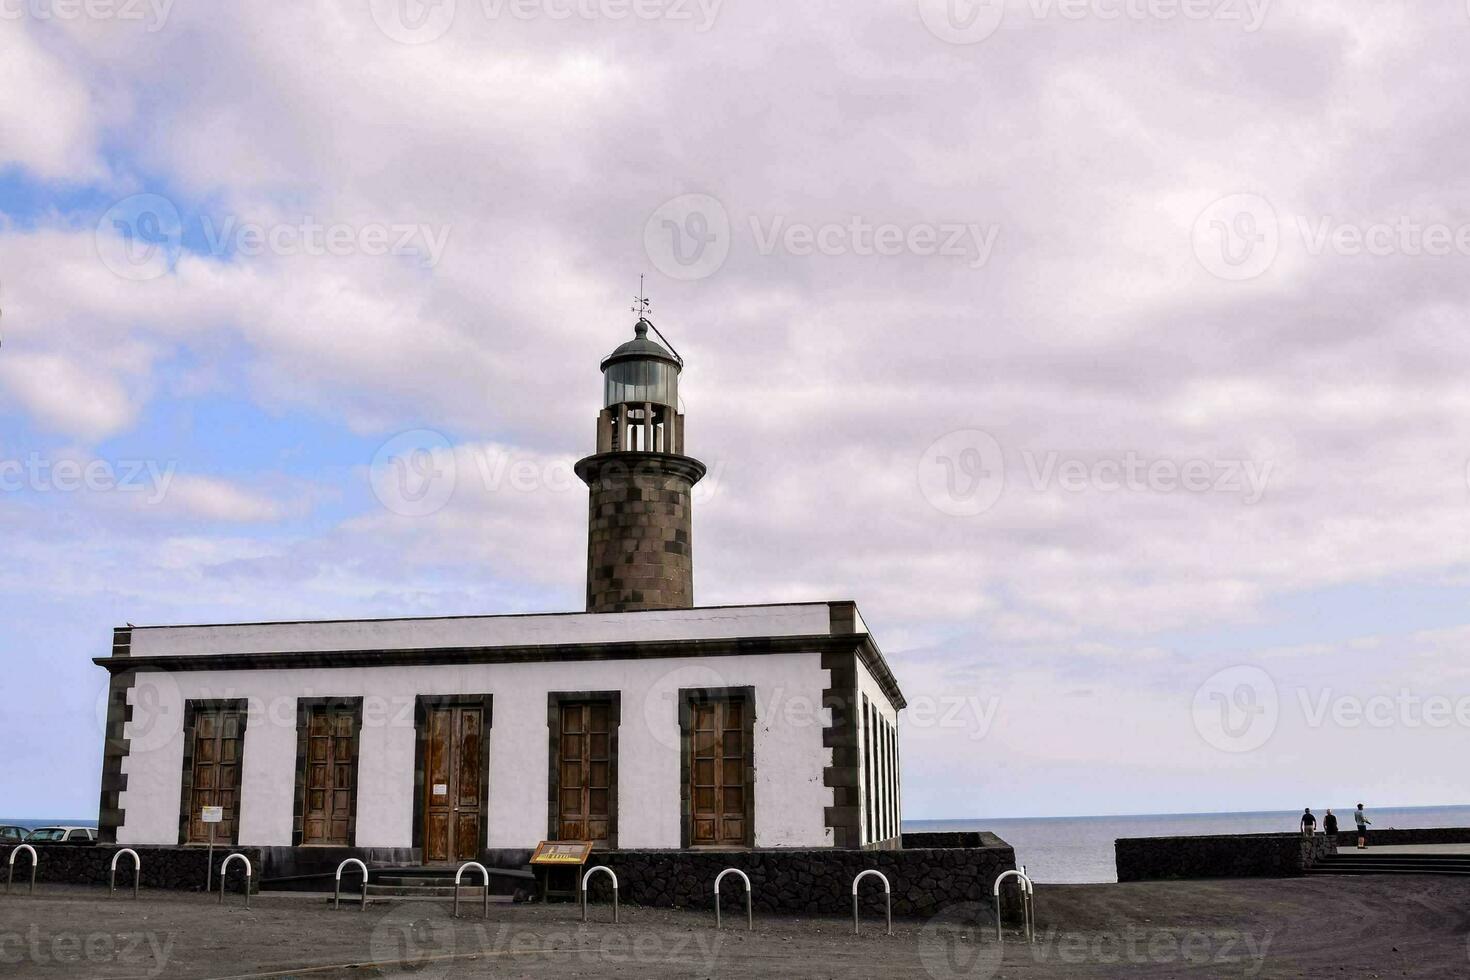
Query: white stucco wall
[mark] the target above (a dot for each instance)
(789, 757)
(713, 622)
(869, 688)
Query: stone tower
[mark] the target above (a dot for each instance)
(639, 553)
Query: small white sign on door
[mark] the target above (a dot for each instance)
(441, 789)
(212, 814)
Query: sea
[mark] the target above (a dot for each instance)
(1079, 850)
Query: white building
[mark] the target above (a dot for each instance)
(644, 722)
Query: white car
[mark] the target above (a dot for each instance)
(62, 835)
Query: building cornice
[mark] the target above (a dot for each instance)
(858, 643)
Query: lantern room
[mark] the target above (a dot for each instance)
(641, 398)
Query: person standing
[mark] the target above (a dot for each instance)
(1362, 820)
(1329, 825)
(1309, 822)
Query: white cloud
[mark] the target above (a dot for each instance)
(68, 394)
(212, 499)
(48, 122)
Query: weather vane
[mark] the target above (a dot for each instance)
(641, 304)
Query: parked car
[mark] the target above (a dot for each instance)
(62, 835)
(12, 835)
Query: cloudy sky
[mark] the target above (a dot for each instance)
(1109, 353)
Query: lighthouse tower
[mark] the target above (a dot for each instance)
(639, 552)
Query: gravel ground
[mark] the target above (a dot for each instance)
(1309, 927)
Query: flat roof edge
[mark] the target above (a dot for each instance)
(467, 616)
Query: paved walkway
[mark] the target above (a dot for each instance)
(1409, 849)
(1379, 924)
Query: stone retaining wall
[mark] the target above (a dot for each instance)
(179, 868)
(1223, 856)
(923, 880)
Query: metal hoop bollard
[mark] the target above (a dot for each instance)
(137, 871)
(337, 889)
(484, 874)
(749, 917)
(887, 897)
(225, 866)
(34, 861)
(1027, 891)
(583, 889)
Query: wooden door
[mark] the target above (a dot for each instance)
(215, 771)
(719, 760)
(331, 775)
(453, 784)
(585, 772)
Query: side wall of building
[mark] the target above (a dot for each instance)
(878, 769)
(789, 756)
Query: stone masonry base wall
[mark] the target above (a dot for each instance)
(1224, 856)
(180, 868)
(923, 881)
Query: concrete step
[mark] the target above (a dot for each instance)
(1426, 865)
(466, 892)
(1388, 871)
(441, 870)
(1400, 864)
(355, 900)
(1448, 861)
(503, 881)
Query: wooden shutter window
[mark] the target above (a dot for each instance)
(720, 766)
(212, 769)
(584, 771)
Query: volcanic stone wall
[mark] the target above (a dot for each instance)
(179, 868)
(1223, 856)
(923, 880)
